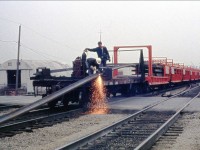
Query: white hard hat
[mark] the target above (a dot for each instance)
(98, 60)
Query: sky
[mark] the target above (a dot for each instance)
(61, 30)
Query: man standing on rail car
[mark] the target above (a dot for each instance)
(102, 53)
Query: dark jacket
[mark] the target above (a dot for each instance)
(92, 62)
(104, 56)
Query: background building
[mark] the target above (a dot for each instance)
(26, 69)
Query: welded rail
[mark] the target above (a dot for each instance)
(101, 132)
(60, 70)
(47, 99)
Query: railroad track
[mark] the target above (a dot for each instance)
(4, 107)
(137, 131)
(162, 92)
(37, 119)
(42, 111)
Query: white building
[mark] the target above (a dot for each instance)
(26, 69)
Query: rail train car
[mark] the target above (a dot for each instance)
(161, 73)
(186, 74)
(176, 73)
(146, 75)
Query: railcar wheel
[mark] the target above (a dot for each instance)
(114, 94)
(66, 99)
(66, 103)
(128, 91)
(52, 104)
(84, 99)
(108, 94)
(132, 90)
(146, 88)
(44, 95)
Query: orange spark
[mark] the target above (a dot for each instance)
(98, 102)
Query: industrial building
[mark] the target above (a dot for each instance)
(26, 69)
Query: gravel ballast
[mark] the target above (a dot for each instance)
(6, 111)
(189, 139)
(49, 138)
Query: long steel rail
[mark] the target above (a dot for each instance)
(80, 142)
(47, 99)
(53, 96)
(61, 70)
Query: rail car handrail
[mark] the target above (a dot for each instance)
(118, 64)
(122, 66)
(84, 140)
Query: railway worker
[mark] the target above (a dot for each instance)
(102, 53)
(93, 65)
(90, 65)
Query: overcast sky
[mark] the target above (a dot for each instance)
(62, 30)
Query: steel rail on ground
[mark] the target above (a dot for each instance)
(39, 120)
(80, 142)
(47, 99)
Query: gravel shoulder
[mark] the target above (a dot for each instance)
(49, 138)
(189, 139)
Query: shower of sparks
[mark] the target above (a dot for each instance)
(98, 99)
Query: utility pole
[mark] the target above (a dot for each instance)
(100, 35)
(17, 71)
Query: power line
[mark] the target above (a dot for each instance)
(44, 36)
(39, 53)
(35, 51)
(36, 32)
(45, 53)
(31, 49)
(8, 20)
(47, 61)
(8, 41)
